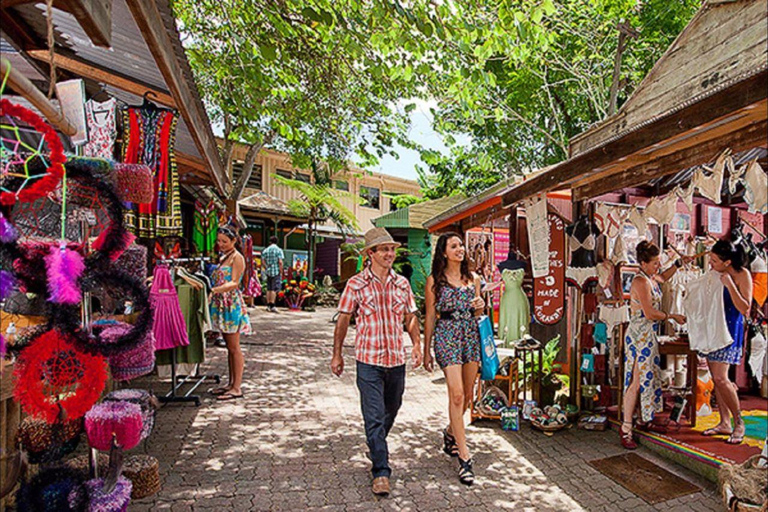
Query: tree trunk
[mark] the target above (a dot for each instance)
(250, 160)
(311, 251)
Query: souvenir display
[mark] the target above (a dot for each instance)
(120, 422)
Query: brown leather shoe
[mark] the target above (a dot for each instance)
(380, 486)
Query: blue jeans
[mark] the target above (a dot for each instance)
(381, 394)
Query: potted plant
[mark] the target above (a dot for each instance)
(552, 380)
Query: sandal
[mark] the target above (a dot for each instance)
(627, 440)
(735, 438)
(449, 444)
(717, 431)
(225, 397)
(218, 391)
(466, 475)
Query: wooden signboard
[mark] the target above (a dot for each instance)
(549, 291)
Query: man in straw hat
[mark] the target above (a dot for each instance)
(382, 301)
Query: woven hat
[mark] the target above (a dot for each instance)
(378, 236)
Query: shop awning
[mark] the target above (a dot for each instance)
(264, 205)
(416, 215)
(146, 55)
(708, 92)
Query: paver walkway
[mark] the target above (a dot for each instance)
(296, 442)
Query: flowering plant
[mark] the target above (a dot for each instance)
(296, 291)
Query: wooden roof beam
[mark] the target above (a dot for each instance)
(753, 136)
(90, 71)
(94, 16)
(722, 103)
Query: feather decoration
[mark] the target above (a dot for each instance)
(8, 233)
(2, 347)
(7, 282)
(64, 267)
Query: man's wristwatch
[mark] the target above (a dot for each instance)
(678, 263)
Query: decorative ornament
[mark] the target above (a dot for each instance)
(20, 180)
(144, 399)
(64, 267)
(132, 363)
(7, 283)
(115, 501)
(54, 378)
(51, 489)
(134, 183)
(120, 421)
(45, 442)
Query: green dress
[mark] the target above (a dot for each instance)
(194, 305)
(514, 311)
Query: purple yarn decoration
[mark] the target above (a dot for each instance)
(2, 347)
(8, 233)
(116, 501)
(7, 283)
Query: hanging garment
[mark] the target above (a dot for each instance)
(686, 195)
(102, 129)
(711, 186)
(228, 312)
(757, 353)
(514, 309)
(662, 210)
(612, 316)
(636, 219)
(602, 212)
(735, 177)
(168, 325)
(759, 270)
(642, 349)
(619, 254)
(705, 312)
(582, 242)
(590, 304)
(205, 227)
(587, 336)
(605, 271)
(756, 188)
(194, 304)
(149, 139)
(601, 333)
(735, 322)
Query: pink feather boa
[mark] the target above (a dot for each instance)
(64, 267)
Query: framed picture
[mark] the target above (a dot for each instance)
(681, 222)
(631, 237)
(627, 275)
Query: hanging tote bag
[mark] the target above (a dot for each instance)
(489, 357)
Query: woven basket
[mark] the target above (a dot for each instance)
(144, 472)
(743, 486)
(45, 442)
(82, 463)
(134, 183)
(547, 428)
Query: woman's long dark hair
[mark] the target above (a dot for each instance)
(440, 262)
(729, 251)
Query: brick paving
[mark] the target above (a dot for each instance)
(296, 442)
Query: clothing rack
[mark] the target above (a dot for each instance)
(173, 396)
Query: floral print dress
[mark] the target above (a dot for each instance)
(228, 312)
(457, 340)
(642, 348)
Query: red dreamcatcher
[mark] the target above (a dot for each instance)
(29, 169)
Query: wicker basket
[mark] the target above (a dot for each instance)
(548, 428)
(743, 485)
(144, 472)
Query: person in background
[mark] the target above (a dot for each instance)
(451, 305)
(729, 260)
(229, 315)
(382, 301)
(272, 259)
(641, 356)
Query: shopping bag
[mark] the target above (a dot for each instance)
(490, 359)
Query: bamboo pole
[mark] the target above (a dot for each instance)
(23, 86)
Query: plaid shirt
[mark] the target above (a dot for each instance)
(381, 308)
(271, 256)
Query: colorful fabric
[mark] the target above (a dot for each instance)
(642, 348)
(271, 257)
(205, 227)
(381, 308)
(149, 139)
(102, 129)
(730, 354)
(168, 324)
(456, 341)
(228, 312)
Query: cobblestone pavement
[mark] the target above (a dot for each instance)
(295, 442)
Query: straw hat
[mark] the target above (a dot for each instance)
(378, 236)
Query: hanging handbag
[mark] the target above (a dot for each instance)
(490, 359)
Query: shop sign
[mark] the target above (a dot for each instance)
(549, 291)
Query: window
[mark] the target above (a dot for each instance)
(341, 185)
(300, 176)
(370, 196)
(254, 181)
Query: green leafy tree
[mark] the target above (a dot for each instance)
(317, 203)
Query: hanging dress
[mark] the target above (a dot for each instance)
(228, 312)
(457, 338)
(102, 129)
(735, 322)
(168, 325)
(514, 310)
(582, 243)
(642, 348)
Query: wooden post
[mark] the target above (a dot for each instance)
(624, 31)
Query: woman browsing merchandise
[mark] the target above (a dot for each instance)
(229, 315)
(641, 355)
(451, 306)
